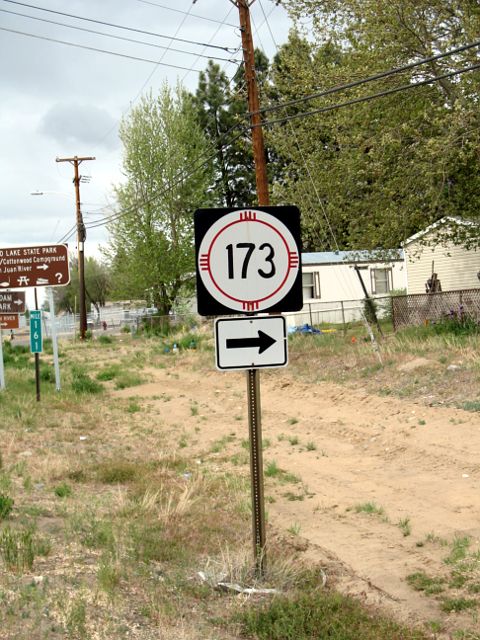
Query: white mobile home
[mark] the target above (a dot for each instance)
(332, 291)
(430, 251)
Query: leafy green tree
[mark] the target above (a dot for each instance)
(168, 175)
(98, 285)
(376, 172)
(222, 110)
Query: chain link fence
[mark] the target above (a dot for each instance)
(341, 313)
(422, 308)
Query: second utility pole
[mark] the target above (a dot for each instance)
(81, 236)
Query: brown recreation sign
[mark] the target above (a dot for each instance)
(39, 266)
(9, 320)
(12, 301)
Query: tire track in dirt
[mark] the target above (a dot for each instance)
(415, 462)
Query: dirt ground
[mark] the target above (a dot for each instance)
(340, 449)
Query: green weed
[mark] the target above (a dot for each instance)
(319, 614)
(83, 384)
(63, 490)
(6, 506)
(420, 581)
(405, 526)
(17, 549)
(127, 379)
(450, 605)
(371, 508)
(459, 550)
(133, 407)
(109, 373)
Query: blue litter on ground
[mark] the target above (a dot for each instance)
(304, 328)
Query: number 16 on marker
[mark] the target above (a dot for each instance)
(248, 260)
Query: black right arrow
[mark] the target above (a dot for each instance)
(263, 342)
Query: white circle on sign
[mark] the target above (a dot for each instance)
(248, 260)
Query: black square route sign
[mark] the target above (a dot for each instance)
(248, 260)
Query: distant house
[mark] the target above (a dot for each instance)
(332, 291)
(430, 252)
(331, 276)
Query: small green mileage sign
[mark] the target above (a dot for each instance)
(36, 342)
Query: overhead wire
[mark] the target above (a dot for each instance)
(115, 37)
(359, 100)
(222, 23)
(118, 26)
(149, 77)
(378, 76)
(307, 194)
(336, 89)
(193, 15)
(117, 215)
(177, 180)
(95, 49)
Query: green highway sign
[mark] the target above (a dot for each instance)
(36, 332)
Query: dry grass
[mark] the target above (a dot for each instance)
(117, 552)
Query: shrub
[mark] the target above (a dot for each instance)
(6, 506)
(17, 549)
(63, 490)
(47, 374)
(82, 383)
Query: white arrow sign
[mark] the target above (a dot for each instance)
(251, 343)
(44, 267)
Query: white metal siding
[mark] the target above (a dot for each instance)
(337, 282)
(455, 267)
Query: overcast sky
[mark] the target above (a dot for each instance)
(61, 101)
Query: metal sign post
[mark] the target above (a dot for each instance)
(53, 328)
(256, 469)
(2, 370)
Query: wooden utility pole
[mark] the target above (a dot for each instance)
(253, 375)
(253, 101)
(81, 236)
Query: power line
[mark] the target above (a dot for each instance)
(111, 35)
(380, 94)
(213, 36)
(82, 46)
(118, 26)
(149, 77)
(182, 177)
(377, 76)
(193, 15)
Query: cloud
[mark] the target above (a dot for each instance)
(79, 123)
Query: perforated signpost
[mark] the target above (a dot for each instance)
(248, 262)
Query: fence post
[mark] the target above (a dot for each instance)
(343, 318)
(310, 312)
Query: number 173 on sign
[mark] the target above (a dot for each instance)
(248, 260)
